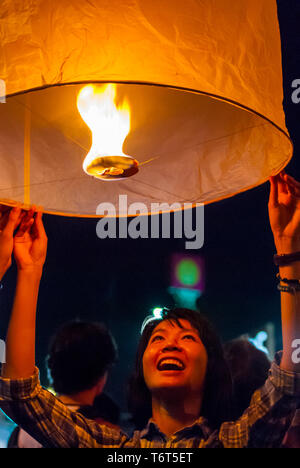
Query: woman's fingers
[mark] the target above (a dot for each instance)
(282, 184)
(39, 226)
(293, 185)
(24, 232)
(13, 218)
(273, 200)
(3, 219)
(26, 223)
(12, 222)
(291, 179)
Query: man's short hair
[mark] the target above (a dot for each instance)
(79, 355)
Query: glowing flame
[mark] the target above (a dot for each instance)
(109, 124)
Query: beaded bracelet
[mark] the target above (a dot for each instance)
(291, 285)
(290, 289)
(295, 282)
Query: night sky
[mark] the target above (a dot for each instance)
(119, 281)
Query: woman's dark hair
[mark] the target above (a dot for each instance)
(216, 406)
(249, 368)
(79, 355)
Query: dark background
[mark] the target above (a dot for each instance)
(119, 281)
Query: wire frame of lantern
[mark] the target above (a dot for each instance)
(191, 92)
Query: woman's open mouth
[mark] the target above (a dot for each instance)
(170, 364)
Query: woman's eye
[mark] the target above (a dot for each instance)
(190, 337)
(157, 338)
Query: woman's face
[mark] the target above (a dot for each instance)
(175, 358)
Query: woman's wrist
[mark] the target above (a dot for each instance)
(31, 273)
(287, 245)
(290, 271)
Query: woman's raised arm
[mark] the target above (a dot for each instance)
(30, 248)
(284, 214)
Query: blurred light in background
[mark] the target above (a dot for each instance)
(6, 428)
(265, 340)
(156, 315)
(258, 341)
(186, 279)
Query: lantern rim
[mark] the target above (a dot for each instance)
(193, 205)
(160, 85)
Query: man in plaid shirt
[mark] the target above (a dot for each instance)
(175, 362)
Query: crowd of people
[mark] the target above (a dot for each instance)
(187, 390)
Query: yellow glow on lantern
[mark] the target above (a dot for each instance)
(109, 124)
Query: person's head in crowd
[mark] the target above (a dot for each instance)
(249, 368)
(180, 360)
(80, 357)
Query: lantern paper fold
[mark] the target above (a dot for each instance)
(203, 80)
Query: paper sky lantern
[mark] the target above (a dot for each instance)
(192, 101)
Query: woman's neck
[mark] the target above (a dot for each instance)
(171, 416)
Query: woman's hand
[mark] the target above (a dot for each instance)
(9, 220)
(284, 213)
(30, 244)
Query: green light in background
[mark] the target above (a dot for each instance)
(188, 273)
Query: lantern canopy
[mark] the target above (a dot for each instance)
(202, 81)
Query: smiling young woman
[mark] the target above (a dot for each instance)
(181, 384)
(202, 386)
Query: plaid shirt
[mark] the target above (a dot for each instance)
(264, 423)
(292, 437)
